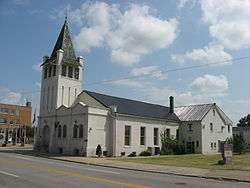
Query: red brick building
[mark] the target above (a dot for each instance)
(13, 120)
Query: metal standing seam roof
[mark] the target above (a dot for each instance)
(192, 112)
(135, 108)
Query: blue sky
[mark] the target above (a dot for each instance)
(120, 39)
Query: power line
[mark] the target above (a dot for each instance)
(239, 60)
(171, 70)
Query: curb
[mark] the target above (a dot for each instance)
(142, 170)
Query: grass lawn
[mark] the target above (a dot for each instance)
(240, 162)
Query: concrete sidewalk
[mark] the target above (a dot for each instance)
(229, 175)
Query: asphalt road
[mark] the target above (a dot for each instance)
(21, 171)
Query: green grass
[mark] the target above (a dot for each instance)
(240, 162)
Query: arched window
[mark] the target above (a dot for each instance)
(59, 133)
(81, 131)
(75, 131)
(64, 131)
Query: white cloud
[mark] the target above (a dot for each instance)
(150, 92)
(37, 67)
(228, 21)
(127, 82)
(38, 84)
(128, 34)
(183, 3)
(210, 84)
(212, 54)
(10, 97)
(152, 71)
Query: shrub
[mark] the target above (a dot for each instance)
(145, 153)
(171, 146)
(133, 154)
(239, 144)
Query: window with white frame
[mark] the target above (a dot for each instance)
(142, 136)
(190, 127)
(127, 135)
(211, 127)
(156, 136)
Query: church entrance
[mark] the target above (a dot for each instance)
(46, 137)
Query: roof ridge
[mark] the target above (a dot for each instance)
(195, 105)
(127, 99)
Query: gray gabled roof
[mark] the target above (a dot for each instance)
(198, 112)
(192, 112)
(135, 108)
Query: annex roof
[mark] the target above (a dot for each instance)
(192, 112)
(198, 112)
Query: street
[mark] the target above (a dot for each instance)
(21, 171)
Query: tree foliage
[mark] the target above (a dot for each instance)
(239, 144)
(244, 121)
(171, 146)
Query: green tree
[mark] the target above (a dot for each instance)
(171, 146)
(244, 121)
(239, 144)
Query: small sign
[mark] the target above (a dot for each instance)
(227, 153)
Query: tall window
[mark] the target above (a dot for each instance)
(54, 70)
(50, 71)
(81, 131)
(228, 128)
(59, 133)
(142, 138)
(45, 72)
(64, 131)
(70, 73)
(75, 93)
(69, 97)
(211, 127)
(64, 70)
(62, 94)
(75, 131)
(127, 135)
(76, 74)
(222, 129)
(3, 120)
(48, 98)
(190, 127)
(156, 136)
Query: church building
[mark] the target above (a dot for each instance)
(75, 121)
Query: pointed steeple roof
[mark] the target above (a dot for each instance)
(64, 42)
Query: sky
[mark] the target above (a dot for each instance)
(134, 49)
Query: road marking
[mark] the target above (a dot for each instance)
(8, 174)
(54, 170)
(98, 170)
(69, 166)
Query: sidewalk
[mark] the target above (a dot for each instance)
(228, 175)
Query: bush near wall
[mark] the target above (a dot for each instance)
(172, 147)
(239, 144)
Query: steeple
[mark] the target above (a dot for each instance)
(64, 42)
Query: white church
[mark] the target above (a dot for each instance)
(74, 121)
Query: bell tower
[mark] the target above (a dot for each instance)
(61, 75)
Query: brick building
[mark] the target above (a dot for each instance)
(13, 120)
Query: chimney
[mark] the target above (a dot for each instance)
(171, 104)
(28, 104)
